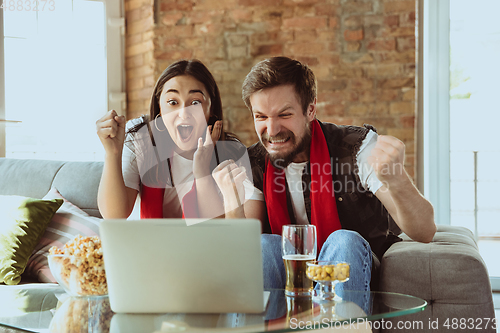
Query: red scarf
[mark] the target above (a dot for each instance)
(152, 203)
(324, 213)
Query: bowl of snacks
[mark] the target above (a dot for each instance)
(82, 314)
(327, 274)
(79, 267)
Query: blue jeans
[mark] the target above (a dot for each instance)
(341, 245)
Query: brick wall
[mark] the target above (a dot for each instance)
(362, 52)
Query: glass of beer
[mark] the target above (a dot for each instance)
(298, 309)
(298, 247)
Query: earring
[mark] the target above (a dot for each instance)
(157, 125)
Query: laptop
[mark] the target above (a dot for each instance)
(183, 266)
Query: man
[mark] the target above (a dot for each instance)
(346, 180)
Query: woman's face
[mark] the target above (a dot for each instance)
(185, 108)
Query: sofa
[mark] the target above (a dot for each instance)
(448, 273)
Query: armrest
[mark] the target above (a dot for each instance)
(448, 273)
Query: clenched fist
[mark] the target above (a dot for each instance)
(230, 177)
(387, 160)
(111, 132)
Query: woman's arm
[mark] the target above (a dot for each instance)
(255, 209)
(209, 202)
(114, 199)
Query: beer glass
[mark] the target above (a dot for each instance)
(298, 246)
(298, 309)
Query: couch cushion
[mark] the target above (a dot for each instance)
(449, 270)
(28, 178)
(451, 265)
(29, 306)
(445, 232)
(78, 182)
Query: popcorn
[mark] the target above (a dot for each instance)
(82, 271)
(82, 315)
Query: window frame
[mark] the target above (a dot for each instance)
(433, 110)
(115, 54)
(2, 90)
(434, 106)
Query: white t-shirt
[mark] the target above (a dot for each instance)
(182, 174)
(294, 171)
(293, 175)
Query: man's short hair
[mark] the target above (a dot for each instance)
(279, 71)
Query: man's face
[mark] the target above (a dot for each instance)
(281, 125)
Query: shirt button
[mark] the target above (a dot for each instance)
(340, 199)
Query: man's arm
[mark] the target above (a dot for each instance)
(412, 212)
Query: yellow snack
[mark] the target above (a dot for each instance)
(329, 272)
(83, 271)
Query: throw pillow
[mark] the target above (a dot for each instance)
(23, 222)
(66, 223)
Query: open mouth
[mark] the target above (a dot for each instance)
(185, 132)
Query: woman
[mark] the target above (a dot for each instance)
(169, 156)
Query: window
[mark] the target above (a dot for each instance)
(63, 70)
(461, 48)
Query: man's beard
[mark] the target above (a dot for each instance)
(282, 160)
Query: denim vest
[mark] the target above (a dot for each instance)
(359, 210)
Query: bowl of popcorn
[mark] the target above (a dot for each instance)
(327, 274)
(82, 314)
(79, 267)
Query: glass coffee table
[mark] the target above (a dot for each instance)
(33, 309)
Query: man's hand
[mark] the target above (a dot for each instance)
(387, 159)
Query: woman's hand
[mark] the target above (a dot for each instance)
(203, 154)
(230, 177)
(217, 131)
(111, 132)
